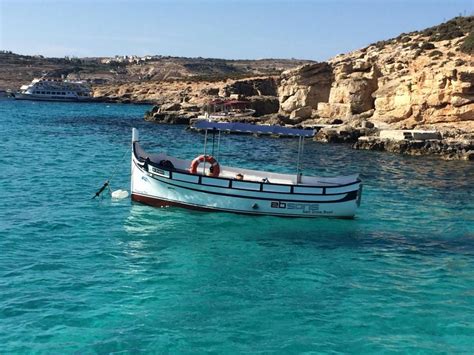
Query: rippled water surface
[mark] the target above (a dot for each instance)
(98, 276)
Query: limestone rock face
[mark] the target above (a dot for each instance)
(442, 94)
(251, 87)
(303, 112)
(334, 110)
(264, 105)
(400, 84)
(355, 89)
(305, 86)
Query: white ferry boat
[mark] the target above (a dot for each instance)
(46, 89)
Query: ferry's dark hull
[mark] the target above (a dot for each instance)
(19, 96)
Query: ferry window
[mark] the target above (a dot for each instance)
(63, 93)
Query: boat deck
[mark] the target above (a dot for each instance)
(226, 172)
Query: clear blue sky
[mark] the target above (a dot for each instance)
(317, 29)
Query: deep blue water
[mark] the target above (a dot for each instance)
(102, 276)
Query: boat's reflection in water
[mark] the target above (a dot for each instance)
(144, 220)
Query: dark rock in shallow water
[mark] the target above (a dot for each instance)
(171, 117)
(449, 150)
(280, 120)
(172, 113)
(174, 106)
(342, 134)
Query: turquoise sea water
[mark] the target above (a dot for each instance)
(102, 276)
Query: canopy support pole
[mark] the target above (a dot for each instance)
(213, 141)
(218, 145)
(205, 143)
(302, 153)
(298, 176)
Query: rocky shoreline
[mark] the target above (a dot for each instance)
(447, 146)
(374, 98)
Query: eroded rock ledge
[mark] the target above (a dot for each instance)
(445, 149)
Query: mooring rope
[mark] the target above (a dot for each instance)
(107, 182)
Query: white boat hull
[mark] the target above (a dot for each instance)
(158, 187)
(226, 116)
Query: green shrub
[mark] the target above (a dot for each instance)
(380, 44)
(427, 46)
(435, 53)
(443, 36)
(451, 29)
(417, 53)
(468, 44)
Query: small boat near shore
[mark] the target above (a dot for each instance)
(226, 110)
(203, 184)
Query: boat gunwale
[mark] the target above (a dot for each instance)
(230, 180)
(348, 196)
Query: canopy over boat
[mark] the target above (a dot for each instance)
(252, 128)
(226, 103)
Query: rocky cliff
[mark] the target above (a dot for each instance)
(417, 80)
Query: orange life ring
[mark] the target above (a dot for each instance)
(214, 170)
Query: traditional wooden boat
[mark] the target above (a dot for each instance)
(203, 184)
